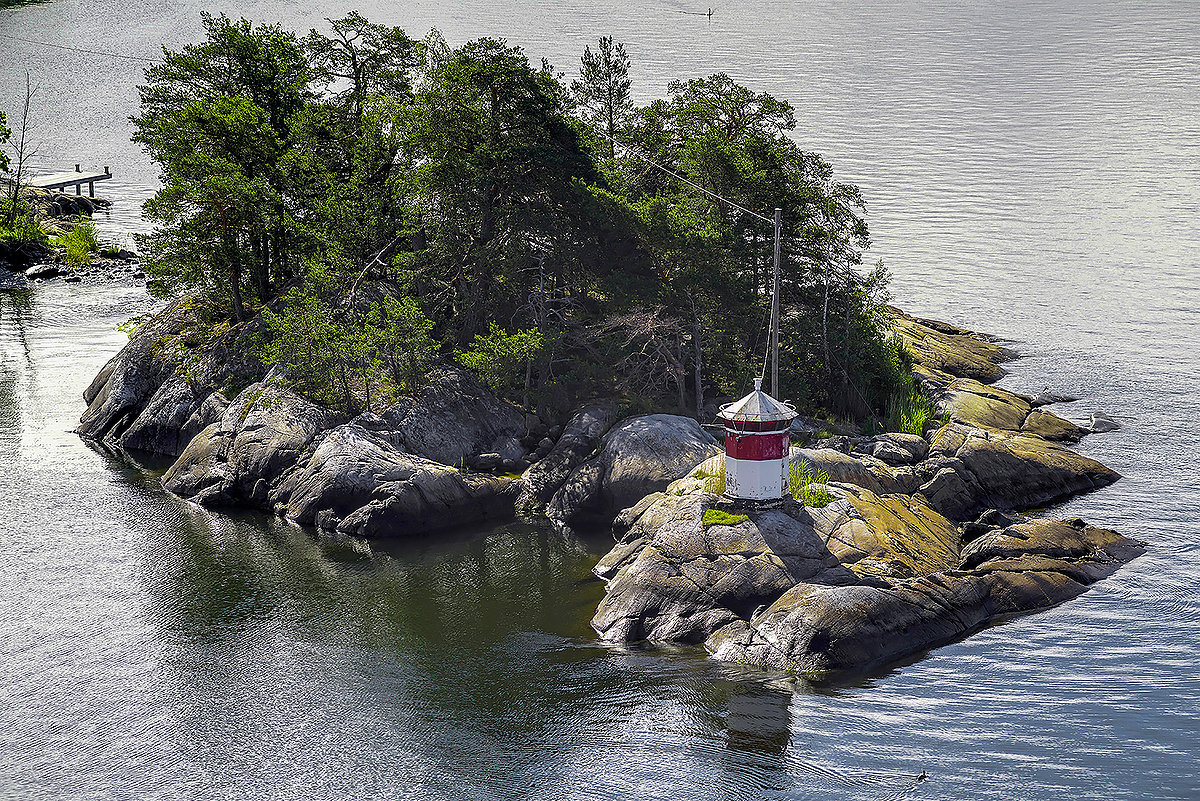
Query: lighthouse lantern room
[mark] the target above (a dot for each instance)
(756, 447)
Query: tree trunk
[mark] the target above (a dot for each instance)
(22, 153)
(235, 286)
(699, 356)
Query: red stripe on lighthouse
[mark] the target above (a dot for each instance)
(755, 447)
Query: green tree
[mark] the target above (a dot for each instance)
(499, 177)
(347, 155)
(218, 118)
(603, 89)
(399, 332)
(501, 359)
(717, 258)
(361, 60)
(475, 181)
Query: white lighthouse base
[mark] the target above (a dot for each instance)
(759, 481)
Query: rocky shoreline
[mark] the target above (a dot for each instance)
(923, 542)
(122, 269)
(22, 268)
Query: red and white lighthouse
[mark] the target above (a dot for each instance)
(756, 446)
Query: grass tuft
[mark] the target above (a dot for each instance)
(911, 409)
(807, 488)
(718, 517)
(78, 244)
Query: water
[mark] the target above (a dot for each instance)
(1032, 169)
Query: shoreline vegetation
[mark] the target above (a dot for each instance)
(414, 287)
(48, 235)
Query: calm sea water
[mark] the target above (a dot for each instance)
(1032, 168)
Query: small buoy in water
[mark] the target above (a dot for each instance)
(923, 776)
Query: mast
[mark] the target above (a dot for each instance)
(775, 311)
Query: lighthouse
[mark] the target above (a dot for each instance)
(756, 447)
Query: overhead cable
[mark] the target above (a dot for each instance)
(79, 49)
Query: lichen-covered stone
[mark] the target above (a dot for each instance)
(890, 536)
(863, 581)
(819, 629)
(672, 578)
(948, 350)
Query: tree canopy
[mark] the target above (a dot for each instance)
(493, 197)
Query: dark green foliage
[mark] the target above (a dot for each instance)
(602, 90)
(499, 176)
(218, 117)
(342, 357)
(495, 196)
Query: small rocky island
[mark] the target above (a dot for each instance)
(467, 305)
(922, 540)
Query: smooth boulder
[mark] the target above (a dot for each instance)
(638, 456)
(260, 436)
(119, 392)
(357, 481)
(577, 442)
(1018, 470)
(454, 418)
(942, 350)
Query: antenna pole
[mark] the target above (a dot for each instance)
(775, 312)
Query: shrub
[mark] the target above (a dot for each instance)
(806, 487)
(502, 360)
(78, 244)
(399, 331)
(24, 232)
(337, 355)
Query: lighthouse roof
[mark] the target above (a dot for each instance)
(757, 406)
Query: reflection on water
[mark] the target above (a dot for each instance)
(759, 720)
(15, 362)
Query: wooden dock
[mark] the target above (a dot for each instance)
(62, 180)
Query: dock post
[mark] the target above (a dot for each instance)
(79, 188)
(91, 188)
